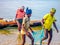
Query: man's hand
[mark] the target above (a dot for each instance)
(55, 27)
(15, 20)
(27, 33)
(31, 30)
(57, 31)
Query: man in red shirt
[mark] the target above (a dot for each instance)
(19, 17)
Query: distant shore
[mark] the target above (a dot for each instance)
(12, 23)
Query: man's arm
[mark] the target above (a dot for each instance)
(31, 29)
(42, 21)
(15, 17)
(24, 27)
(23, 24)
(54, 24)
(44, 18)
(16, 14)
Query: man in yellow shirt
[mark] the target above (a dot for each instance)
(48, 20)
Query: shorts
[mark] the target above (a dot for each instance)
(20, 20)
(50, 32)
(23, 32)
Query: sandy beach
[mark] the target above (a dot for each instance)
(13, 38)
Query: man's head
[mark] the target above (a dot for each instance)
(52, 11)
(22, 8)
(28, 12)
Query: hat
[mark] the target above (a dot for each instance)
(28, 11)
(53, 10)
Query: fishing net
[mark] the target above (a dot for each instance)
(38, 35)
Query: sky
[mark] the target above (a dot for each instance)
(39, 7)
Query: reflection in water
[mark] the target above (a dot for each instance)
(5, 32)
(19, 39)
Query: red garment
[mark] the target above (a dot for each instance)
(20, 14)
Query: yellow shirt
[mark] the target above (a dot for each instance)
(48, 21)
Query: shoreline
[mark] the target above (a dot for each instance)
(4, 24)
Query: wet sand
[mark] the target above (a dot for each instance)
(15, 39)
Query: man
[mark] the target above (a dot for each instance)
(26, 27)
(19, 17)
(48, 20)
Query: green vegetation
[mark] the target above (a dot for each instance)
(8, 30)
(36, 28)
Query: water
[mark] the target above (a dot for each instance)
(40, 8)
